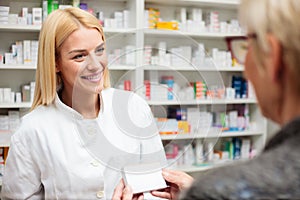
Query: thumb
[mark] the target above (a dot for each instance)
(127, 193)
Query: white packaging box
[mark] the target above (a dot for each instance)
(146, 19)
(129, 55)
(135, 176)
(159, 92)
(9, 58)
(6, 95)
(119, 19)
(19, 45)
(233, 117)
(32, 88)
(183, 15)
(37, 14)
(45, 10)
(22, 20)
(12, 18)
(24, 12)
(193, 115)
(162, 48)
(14, 119)
(1, 95)
(126, 14)
(4, 9)
(12, 97)
(3, 19)
(29, 19)
(26, 52)
(4, 123)
(18, 97)
(187, 53)
(4, 14)
(245, 149)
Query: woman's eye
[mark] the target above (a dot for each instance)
(100, 50)
(78, 57)
(244, 46)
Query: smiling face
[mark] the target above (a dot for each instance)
(81, 62)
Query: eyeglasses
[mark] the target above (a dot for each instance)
(238, 46)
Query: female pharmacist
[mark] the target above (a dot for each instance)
(72, 142)
(272, 64)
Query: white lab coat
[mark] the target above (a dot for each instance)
(47, 158)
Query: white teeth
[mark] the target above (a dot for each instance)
(91, 78)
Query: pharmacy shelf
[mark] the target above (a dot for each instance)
(16, 105)
(17, 66)
(203, 102)
(173, 33)
(121, 67)
(19, 28)
(207, 3)
(192, 68)
(202, 167)
(36, 28)
(33, 67)
(211, 134)
(119, 30)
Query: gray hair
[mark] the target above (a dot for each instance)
(280, 18)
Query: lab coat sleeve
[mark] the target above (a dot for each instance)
(21, 178)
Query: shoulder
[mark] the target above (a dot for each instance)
(33, 121)
(40, 114)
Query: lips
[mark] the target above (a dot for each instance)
(93, 77)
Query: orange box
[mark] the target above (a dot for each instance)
(167, 25)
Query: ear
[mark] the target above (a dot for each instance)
(274, 62)
(56, 69)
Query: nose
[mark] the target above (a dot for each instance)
(94, 63)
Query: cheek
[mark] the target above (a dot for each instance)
(249, 66)
(104, 60)
(69, 70)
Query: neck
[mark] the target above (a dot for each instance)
(88, 105)
(290, 107)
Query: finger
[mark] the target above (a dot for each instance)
(161, 194)
(118, 192)
(171, 175)
(127, 193)
(141, 197)
(181, 179)
(138, 196)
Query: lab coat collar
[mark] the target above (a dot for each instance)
(70, 111)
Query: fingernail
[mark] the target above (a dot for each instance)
(165, 173)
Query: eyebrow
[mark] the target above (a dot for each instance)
(83, 50)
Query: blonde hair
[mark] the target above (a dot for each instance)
(279, 18)
(55, 30)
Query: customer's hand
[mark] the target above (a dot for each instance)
(177, 181)
(123, 192)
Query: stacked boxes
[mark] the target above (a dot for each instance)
(22, 52)
(200, 90)
(4, 13)
(151, 17)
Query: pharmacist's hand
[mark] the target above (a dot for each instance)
(177, 182)
(123, 192)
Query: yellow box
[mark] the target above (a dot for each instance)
(167, 25)
(183, 127)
